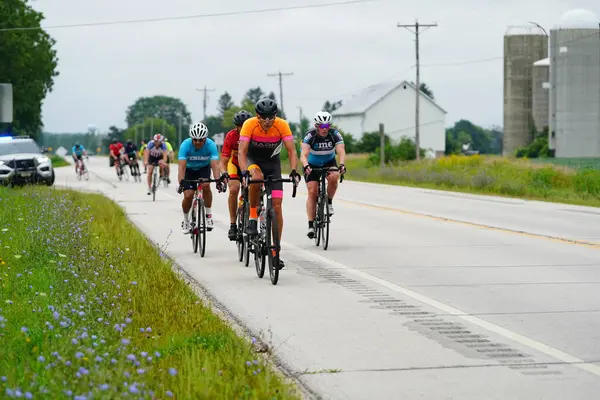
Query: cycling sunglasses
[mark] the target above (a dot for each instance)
(267, 117)
(324, 126)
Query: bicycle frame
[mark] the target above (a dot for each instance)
(198, 231)
(322, 217)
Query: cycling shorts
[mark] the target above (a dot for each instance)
(193, 174)
(132, 156)
(270, 168)
(154, 159)
(78, 157)
(233, 170)
(313, 176)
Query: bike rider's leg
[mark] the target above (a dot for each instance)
(208, 197)
(150, 169)
(254, 196)
(168, 167)
(277, 200)
(332, 185)
(311, 205)
(186, 204)
(234, 190)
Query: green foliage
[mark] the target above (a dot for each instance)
(537, 148)
(89, 140)
(171, 109)
(149, 128)
(483, 140)
(331, 107)
(29, 62)
(225, 102)
(370, 142)
(405, 150)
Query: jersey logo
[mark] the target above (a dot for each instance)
(323, 145)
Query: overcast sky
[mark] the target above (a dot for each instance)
(332, 51)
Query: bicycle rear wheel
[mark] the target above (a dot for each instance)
(194, 230)
(325, 225)
(202, 227)
(272, 246)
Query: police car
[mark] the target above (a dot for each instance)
(22, 161)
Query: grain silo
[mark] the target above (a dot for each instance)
(523, 45)
(575, 85)
(540, 95)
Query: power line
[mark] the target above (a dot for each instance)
(281, 75)
(221, 14)
(416, 25)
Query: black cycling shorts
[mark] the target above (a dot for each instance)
(192, 174)
(78, 157)
(270, 168)
(313, 176)
(154, 160)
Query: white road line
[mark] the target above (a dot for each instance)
(541, 347)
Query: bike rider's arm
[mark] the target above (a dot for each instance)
(214, 160)
(164, 157)
(288, 141)
(182, 160)
(245, 135)
(225, 153)
(305, 150)
(340, 147)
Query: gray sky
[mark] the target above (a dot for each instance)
(332, 51)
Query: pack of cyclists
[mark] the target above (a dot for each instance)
(251, 150)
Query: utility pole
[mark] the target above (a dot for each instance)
(281, 75)
(205, 90)
(416, 25)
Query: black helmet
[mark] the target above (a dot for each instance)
(266, 106)
(240, 117)
(129, 141)
(114, 140)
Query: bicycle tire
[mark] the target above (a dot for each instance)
(194, 233)
(202, 227)
(318, 220)
(272, 242)
(325, 226)
(260, 257)
(240, 241)
(154, 184)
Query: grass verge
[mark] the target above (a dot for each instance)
(58, 162)
(89, 308)
(487, 175)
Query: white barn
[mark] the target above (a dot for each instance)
(393, 104)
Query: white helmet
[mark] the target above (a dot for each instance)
(322, 117)
(198, 131)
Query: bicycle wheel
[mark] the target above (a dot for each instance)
(202, 227)
(240, 241)
(86, 174)
(318, 219)
(260, 257)
(194, 230)
(154, 183)
(325, 225)
(272, 246)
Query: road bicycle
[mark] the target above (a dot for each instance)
(135, 169)
(123, 171)
(266, 243)
(322, 217)
(198, 221)
(82, 171)
(155, 179)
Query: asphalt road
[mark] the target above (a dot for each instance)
(422, 294)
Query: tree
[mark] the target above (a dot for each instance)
(148, 128)
(162, 107)
(225, 103)
(427, 90)
(331, 107)
(253, 95)
(29, 62)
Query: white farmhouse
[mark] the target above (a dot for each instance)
(393, 104)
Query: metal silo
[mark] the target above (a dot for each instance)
(575, 82)
(522, 47)
(540, 95)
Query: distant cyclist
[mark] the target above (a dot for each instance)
(231, 167)
(115, 153)
(261, 140)
(170, 156)
(198, 156)
(156, 153)
(78, 151)
(143, 147)
(318, 150)
(131, 153)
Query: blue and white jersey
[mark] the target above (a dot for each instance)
(322, 148)
(156, 151)
(198, 158)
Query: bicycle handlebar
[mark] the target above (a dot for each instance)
(270, 180)
(327, 169)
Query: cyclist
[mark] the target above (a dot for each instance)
(115, 153)
(318, 150)
(156, 152)
(198, 156)
(78, 151)
(130, 154)
(143, 150)
(261, 140)
(169, 158)
(231, 168)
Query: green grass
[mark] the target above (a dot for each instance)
(84, 296)
(58, 162)
(487, 175)
(575, 163)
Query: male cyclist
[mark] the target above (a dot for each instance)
(78, 151)
(318, 151)
(261, 140)
(170, 157)
(115, 153)
(131, 154)
(230, 164)
(156, 153)
(198, 156)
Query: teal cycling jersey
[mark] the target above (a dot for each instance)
(198, 158)
(78, 151)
